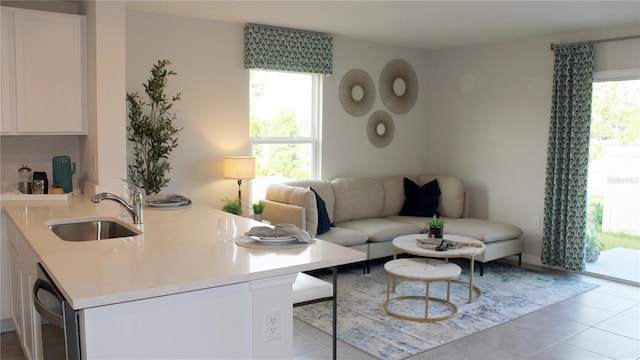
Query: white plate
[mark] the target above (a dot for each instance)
(274, 240)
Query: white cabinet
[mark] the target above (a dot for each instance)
(43, 73)
(23, 272)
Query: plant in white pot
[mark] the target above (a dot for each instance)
(152, 133)
(258, 208)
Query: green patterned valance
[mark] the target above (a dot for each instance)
(273, 48)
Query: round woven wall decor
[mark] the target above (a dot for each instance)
(398, 86)
(357, 92)
(380, 128)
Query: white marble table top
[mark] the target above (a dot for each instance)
(470, 247)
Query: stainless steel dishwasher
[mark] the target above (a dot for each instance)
(59, 322)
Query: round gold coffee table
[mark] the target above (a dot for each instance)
(470, 248)
(423, 270)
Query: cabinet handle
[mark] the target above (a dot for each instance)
(53, 317)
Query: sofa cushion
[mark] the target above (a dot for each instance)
(344, 237)
(322, 188)
(324, 224)
(421, 200)
(357, 198)
(452, 197)
(394, 194)
(379, 229)
(297, 196)
(483, 230)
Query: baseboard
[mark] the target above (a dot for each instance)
(7, 325)
(532, 260)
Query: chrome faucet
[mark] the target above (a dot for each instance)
(135, 209)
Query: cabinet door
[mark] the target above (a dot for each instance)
(49, 69)
(16, 293)
(8, 77)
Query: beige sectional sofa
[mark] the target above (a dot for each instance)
(365, 213)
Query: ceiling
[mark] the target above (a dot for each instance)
(418, 24)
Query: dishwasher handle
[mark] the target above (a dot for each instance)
(53, 317)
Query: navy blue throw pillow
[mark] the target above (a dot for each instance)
(421, 200)
(324, 224)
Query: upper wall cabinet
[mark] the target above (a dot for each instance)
(43, 79)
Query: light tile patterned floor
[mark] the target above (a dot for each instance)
(601, 324)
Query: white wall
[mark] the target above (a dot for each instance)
(346, 150)
(489, 110)
(208, 59)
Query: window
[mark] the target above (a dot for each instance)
(283, 124)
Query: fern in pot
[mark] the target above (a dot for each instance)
(152, 132)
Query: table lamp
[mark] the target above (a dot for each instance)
(239, 168)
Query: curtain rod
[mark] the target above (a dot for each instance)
(555, 46)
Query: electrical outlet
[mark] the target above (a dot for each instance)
(272, 326)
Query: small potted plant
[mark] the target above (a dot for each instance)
(258, 208)
(436, 227)
(56, 188)
(232, 206)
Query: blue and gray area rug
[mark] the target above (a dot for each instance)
(508, 292)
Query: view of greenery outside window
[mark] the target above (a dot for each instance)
(614, 168)
(283, 127)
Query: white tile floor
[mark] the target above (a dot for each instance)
(601, 324)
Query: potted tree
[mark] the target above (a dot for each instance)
(258, 208)
(152, 132)
(436, 227)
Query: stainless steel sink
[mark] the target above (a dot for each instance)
(91, 229)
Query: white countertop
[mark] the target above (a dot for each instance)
(177, 252)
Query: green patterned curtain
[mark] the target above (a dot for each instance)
(273, 48)
(565, 202)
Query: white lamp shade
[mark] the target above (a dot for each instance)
(239, 167)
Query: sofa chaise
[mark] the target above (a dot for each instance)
(368, 213)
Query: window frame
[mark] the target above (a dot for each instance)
(315, 137)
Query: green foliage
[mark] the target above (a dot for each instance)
(615, 114)
(232, 206)
(436, 222)
(279, 159)
(152, 132)
(269, 118)
(610, 240)
(258, 207)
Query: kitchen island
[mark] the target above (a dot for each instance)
(174, 291)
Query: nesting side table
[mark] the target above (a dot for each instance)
(470, 248)
(427, 271)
